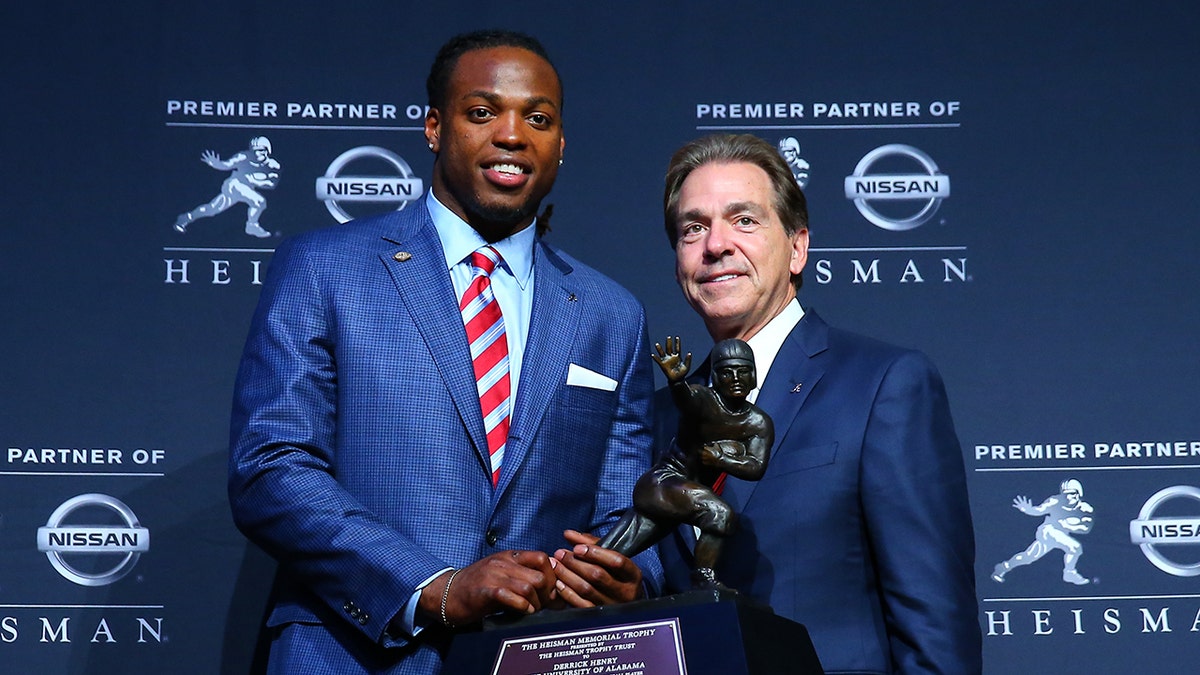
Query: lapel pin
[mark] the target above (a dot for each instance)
(571, 297)
(796, 389)
(402, 256)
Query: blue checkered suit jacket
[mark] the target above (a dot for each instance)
(358, 457)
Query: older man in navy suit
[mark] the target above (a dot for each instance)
(860, 528)
(434, 403)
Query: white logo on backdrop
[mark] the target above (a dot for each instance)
(1064, 516)
(334, 187)
(250, 171)
(789, 147)
(1150, 533)
(928, 187)
(124, 543)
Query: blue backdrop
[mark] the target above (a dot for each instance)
(1022, 207)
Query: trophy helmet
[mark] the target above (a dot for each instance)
(732, 349)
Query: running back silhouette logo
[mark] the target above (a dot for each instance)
(1064, 516)
(250, 171)
(789, 147)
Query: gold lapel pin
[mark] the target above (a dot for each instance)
(402, 256)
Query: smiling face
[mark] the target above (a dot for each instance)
(498, 139)
(733, 257)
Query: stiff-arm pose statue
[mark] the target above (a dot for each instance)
(720, 432)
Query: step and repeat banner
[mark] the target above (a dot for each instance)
(1011, 189)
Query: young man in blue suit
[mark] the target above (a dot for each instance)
(860, 528)
(362, 459)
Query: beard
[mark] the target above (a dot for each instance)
(497, 221)
(502, 216)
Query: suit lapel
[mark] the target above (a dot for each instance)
(794, 374)
(553, 322)
(423, 283)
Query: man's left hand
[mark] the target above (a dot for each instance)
(589, 575)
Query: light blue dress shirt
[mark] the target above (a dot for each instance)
(512, 282)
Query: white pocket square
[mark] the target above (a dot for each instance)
(579, 376)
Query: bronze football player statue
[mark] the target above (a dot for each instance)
(720, 433)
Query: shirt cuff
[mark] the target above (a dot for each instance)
(408, 612)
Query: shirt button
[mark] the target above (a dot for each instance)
(492, 537)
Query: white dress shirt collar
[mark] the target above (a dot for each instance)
(460, 240)
(767, 342)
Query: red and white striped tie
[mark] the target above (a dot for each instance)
(489, 352)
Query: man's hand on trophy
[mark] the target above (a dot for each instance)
(674, 367)
(589, 575)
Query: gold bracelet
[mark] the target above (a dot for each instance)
(445, 596)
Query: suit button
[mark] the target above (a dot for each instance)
(492, 537)
(362, 620)
(347, 606)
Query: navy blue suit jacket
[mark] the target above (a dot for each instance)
(860, 529)
(359, 458)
